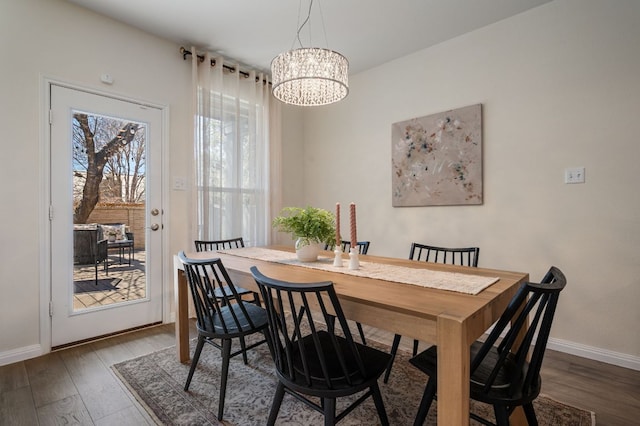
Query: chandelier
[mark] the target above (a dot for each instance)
(310, 76)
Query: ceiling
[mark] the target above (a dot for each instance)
(252, 32)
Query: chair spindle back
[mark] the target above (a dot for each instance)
(466, 256)
(231, 243)
(217, 315)
(297, 311)
(536, 302)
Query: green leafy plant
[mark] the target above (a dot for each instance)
(310, 225)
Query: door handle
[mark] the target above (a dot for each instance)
(155, 227)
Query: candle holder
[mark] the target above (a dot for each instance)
(354, 262)
(337, 260)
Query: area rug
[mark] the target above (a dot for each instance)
(157, 381)
(89, 286)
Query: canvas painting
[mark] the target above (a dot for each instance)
(437, 159)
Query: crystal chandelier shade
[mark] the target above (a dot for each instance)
(310, 76)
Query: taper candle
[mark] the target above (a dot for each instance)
(338, 241)
(354, 239)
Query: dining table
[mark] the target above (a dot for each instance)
(377, 294)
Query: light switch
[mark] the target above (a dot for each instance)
(574, 175)
(180, 183)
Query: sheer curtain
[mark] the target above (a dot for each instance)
(234, 146)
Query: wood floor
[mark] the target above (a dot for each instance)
(76, 386)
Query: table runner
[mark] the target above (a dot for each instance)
(451, 281)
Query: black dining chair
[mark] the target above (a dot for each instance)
(222, 292)
(363, 248)
(213, 245)
(464, 256)
(314, 355)
(225, 320)
(505, 374)
(232, 243)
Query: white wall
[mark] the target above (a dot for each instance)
(559, 88)
(59, 40)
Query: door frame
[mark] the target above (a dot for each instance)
(45, 201)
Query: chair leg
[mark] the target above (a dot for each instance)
(194, 361)
(226, 355)
(502, 416)
(377, 399)
(275, 405)
(243, 346)
(415, 347)
(364, 341)
(394, 349)
(329, 411)
(531, 414)
(425, 402)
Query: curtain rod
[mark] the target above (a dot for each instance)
(231, 69)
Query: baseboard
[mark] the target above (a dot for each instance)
(565, 346)
(20, 354)
(597, 354)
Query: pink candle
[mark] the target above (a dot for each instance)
(354, 239)
(338, 242)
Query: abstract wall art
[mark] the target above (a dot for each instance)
(437, 159)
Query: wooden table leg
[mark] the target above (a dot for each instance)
(454, 365)
(453, 372)
(182, 315)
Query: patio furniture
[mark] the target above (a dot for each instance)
(123, 239)
(89, 248)
(122, 246)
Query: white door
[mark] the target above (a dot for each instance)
(99, 286)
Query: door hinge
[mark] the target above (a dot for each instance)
(51, 308)
(50, 116)
(50, 212)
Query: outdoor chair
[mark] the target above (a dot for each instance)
(122, 246)
(466, 256)
(505, 374)
(235, 318)
(90, 249)
(315, 355)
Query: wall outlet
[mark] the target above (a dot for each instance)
(574, 175)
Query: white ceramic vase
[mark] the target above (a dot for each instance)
(307, 252)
